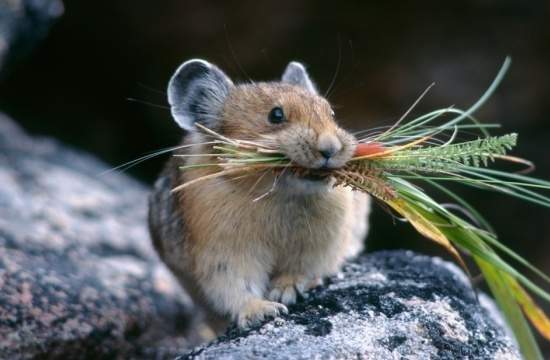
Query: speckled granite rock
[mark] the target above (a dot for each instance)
(22, 24)
(78, 276)
(388, 305)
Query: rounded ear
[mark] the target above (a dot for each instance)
(296, 74)
(196, 93)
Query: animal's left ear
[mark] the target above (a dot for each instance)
(196, 94)
(296, 74)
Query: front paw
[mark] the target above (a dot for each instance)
(286, 288)
(257, 310)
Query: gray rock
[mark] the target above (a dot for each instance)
(22, 24)
(388, 305)
(78, 276)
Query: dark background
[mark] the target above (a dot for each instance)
(75, 84)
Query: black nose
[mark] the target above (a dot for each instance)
(327, 153)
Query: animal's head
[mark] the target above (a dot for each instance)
(288, 113)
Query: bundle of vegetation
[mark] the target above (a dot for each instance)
(396, 164)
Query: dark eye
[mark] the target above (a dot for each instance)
(276, 115)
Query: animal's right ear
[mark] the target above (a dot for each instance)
(196, 93)
(296, 74)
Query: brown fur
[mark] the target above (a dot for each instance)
(242, 257)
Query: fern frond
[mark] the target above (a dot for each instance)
(474, 153)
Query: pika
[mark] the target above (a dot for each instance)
(240, 257)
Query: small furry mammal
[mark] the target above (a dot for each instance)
(244, 248)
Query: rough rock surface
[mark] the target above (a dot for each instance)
(388, 305)
(78, 276)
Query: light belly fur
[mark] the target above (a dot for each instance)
(309, 233)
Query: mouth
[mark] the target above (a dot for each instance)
(315, 175)
(307, 181)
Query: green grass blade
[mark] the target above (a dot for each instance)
(512, 312)
(478, 217)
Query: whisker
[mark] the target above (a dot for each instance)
(205, 177)
(338, 64)
(234, 55)
(131, 163)
(143, 102)
(150, 88)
